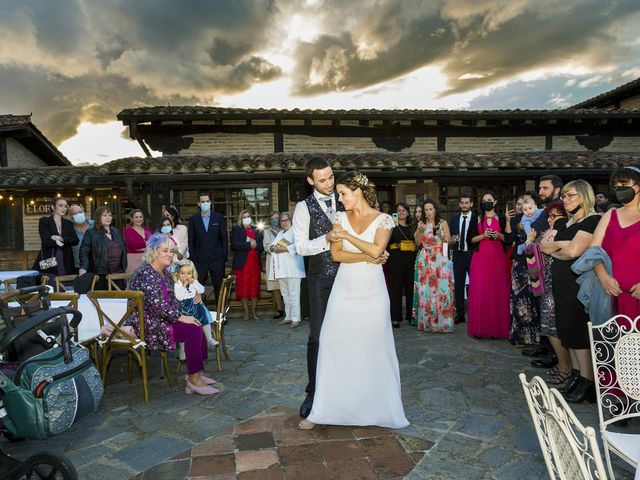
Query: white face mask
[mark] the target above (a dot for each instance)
(246, 221)
(205, 206)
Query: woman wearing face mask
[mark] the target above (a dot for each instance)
(618, 233)
(167, 229)
(273, 286)
(179, 233)
(135, 237)
(247, 246)
(524, 307)
(488, 315)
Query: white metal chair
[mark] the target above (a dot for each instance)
(615, 350)
(570, 450)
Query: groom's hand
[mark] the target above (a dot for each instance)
(331, 237)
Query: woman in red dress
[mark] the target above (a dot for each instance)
(618, 233)
(247, 246)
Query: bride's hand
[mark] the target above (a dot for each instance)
(339, 232)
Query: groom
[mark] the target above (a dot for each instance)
(312, 224)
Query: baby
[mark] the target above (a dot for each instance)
(185, 288)
(530, 213)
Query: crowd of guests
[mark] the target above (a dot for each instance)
(510, 270)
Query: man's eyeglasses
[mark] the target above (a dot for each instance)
(569, 196)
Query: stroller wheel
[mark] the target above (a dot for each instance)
(50, 466)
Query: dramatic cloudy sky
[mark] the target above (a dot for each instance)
(76, 63)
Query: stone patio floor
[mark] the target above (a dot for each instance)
(469, 418)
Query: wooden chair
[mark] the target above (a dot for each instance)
(10, 282)
(72, 299)
(615, 352)
(219, 321)
(570, 450)
(119, 339)
(60, 279)
(113, 277)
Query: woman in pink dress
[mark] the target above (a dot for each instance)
(135, 238)
(488, 280)
(618, 233)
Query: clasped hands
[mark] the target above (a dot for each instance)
(338, 234)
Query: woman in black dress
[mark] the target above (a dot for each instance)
(400, 265)
(57, 236)
(566, 242)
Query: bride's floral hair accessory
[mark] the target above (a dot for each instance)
(361, 180)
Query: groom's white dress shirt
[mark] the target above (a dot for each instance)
(301, 219)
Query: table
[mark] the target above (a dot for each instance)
(89, 327)
(7, 275)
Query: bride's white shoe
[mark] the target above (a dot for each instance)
(306, 425)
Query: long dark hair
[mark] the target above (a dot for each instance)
(175, 214)
(437, 218)
(410, 218)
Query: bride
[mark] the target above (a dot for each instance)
(358, 379)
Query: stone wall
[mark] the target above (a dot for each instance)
(21, 157)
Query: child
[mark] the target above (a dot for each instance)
(530, 213)
(185, 288)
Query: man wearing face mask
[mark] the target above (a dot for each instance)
(80, 224)
(208, 243)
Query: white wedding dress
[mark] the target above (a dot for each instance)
(358, 379)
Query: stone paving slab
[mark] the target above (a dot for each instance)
(460, 393)
(269, 445)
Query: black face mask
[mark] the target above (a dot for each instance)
(625, 195)
(487, 206)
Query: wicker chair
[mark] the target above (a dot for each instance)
(570, 450)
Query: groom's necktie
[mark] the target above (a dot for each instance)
(463, 234)
(327, 201)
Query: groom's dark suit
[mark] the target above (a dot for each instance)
(321, 273)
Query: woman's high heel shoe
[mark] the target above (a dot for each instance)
(208, 390)
(571, 383)
(584, 390)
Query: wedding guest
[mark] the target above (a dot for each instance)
(385, 207)
(163, 322)
(618, 233)
(288, 268)
(417, 214)
(80, 224)
(488, 315)
(462, 224)
(561, 372)
(103, 250)
(269, 234)
(524, 307)
(167, 229)
(247, 246)
(57, 236)
(433, 306)
(180, 232)
(135, 238)
(569, 239)
(401, 265)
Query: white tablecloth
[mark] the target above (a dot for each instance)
(89, 326)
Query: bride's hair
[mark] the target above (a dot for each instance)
(354, 180)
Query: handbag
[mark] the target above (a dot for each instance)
(48, 396)
(47, 263)
(407, 246)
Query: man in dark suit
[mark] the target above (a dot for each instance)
(208, 243)
(460, 226)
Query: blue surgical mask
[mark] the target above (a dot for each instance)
(275, 223)
(205, 206)
(166, 229)
(80, 218)
(246, 221)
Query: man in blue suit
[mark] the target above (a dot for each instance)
(462, 224)
(208, 243)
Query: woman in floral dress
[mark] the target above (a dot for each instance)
(433, 308)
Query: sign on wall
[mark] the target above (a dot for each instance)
(43, 205)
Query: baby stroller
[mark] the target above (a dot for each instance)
(46, 383)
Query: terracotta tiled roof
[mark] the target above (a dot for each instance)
(10, 120)
(623, 91)
(142, 114)
(178, 165)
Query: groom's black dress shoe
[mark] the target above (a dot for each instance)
(305, 408)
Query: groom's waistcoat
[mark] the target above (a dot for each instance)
(319, 225)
